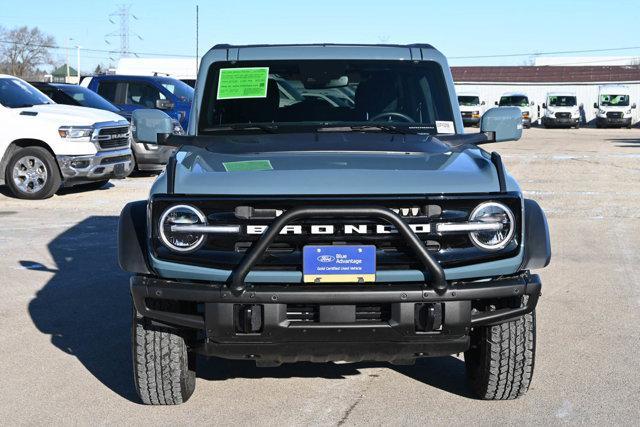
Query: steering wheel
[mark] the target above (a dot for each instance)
(392, 114)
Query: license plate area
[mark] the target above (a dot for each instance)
(339, 264)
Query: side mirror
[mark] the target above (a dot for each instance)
(633, 105)
(151, 126)
(531, 104)
(595, 105)
(164, 104)
(496, 103)
(544, 105)
(482, 103)
(502, 124)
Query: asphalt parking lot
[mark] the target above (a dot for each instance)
(65, 310)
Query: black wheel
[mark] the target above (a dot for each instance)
(163, 369)
(32, 173)
(500, 361)
(96, 185)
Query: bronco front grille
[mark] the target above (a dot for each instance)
(113, 137)
(451, 249)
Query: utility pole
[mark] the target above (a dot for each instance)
(78, 51)
(67, 62)
(197, 34)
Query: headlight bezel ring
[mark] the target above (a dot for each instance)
(512, 226)
(165, 240)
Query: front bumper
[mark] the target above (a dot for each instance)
(470, 121)
(526, 122)
(335, 333)
(554, 121)
(151, 157)
(96, 167)
(608, 121)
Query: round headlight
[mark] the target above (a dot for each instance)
(182, 217)
(500, 226)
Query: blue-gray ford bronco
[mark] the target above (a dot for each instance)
(324, 205)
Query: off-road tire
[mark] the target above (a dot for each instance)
(500, 362)
(52, 183)
(163, 368)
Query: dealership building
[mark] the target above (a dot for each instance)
(491, 82)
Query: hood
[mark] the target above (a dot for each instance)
(71, 115)
(333, 164)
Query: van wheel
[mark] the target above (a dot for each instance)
(32, 173)
(163, 369)
(500, 362)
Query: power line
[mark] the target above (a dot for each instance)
(96, 50)
(557, 52)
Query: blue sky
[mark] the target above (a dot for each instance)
(458, 28)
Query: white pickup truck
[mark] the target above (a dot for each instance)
(46, 145)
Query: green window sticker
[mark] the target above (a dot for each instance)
(248, 165)
(238, 83)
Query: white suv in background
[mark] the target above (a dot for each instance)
(561, 110)
(44, 145)
(471, 108)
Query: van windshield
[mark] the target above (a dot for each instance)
(562, 101)
(469, 101)
(514, 101)
(614, 100)
(306, 95)
(15, 93)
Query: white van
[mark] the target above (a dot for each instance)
(471, 108)
(561, 110)
(614, 106)
(520, 100)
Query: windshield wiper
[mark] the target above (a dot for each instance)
(384, 128)
(245, 126)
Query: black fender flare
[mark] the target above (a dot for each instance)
(537, 244)
(132, 238)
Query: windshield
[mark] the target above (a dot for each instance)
(514, 101)
(562, 101)
(15, 93)
(312, 94)
(468, 101)
(614, 100)
(87, 98)
(181, 90)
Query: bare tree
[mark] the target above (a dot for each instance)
(22, 49)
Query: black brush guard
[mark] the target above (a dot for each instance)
(258, 249)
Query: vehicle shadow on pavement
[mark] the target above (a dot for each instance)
(444, 373)
(625, 142)
(85, 307)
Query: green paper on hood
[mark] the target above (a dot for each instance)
(248, 165)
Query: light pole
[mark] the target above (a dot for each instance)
(69, 40)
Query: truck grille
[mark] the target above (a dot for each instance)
(614, 115)
(563, 115)
(113, 137)
(466, 114)
(285, 254)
